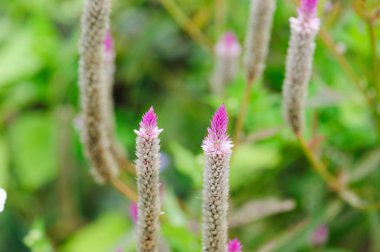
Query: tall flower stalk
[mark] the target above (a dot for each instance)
(93, 89)
(299, 62)
(227, 52)
(258, 37)
(217, 147)
(256, 50)
(147, 169)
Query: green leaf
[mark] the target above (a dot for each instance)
(36, 239)
(33, 145)
(248, 160)
(99, 236)
(187, 163)
(181, 238)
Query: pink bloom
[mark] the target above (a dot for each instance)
(228, 46)
(308, 8)
(217, 139)
(235, 246)
(108, 42)
(148, 125)
(133, 211)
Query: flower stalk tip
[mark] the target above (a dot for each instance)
(148, 125)
(217, 138)
(308, 8)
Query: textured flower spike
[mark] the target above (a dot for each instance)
(93, 89)
(258, 37)
(299, 63)
(147, 169)
(235, 246)
(116, 149)
(3, 198)
(217, 148)
(227, 52)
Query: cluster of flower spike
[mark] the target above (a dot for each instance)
(96, 78)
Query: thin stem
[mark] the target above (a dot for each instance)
(124, 189)
(375, 63)
(344, 63)
(339, 187)
(243, 111)
(185, 23)
(220, 15)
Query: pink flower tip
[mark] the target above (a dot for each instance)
(228, 46)
(108, 42)
(235, 246)
(217, 138)
(148, 125)
(308, 8)
(133, 212)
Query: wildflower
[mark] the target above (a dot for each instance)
(227, 52)
(217, 148)
(299, 60)
(3, 198)
(93, 89)
(235, 246)
(147, 169)
(258, 37)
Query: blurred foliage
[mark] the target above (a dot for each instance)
(53, 203)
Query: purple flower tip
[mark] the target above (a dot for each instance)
(217, 138)
(133, 211)
(308, 8)
(149, 119)
(235, 246)
(148, 125)
(228, 46)
(108, 42)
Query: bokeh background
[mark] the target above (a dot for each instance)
(277, 202)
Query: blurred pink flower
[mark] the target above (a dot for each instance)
(133, 211)
(319, 236)
(228, 46)
(235, 246)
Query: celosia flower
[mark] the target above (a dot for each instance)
(227, 52)
(94, 89)
(235, 246)
(3, 198)
(133, 212)
(217, 148)
(258, 37)
(299, 60)
(147, 170)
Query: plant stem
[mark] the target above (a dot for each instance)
(220, 15)
(243, 111)
(375, 63)
(185, 23)
(124, 189)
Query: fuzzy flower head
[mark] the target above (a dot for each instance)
(108, 43)
(308, 8)
(235, 246)
(217, 139)
(3, 198)
(228, 46)
(148, 125)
